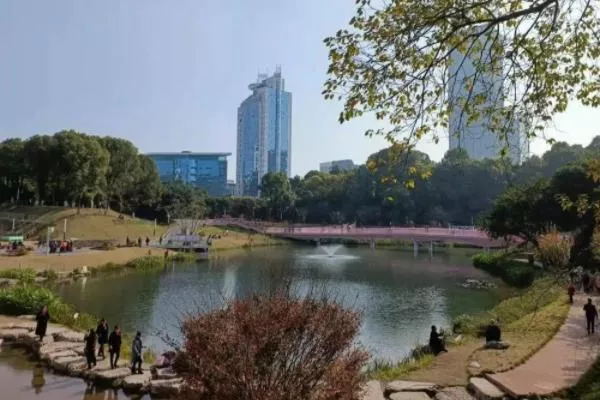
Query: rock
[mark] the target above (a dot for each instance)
(28, 338)
(61, 353)
(164, 373)
(453, 393)
(372, 390)
(11, 335)
(78, 368)
(8, 282)
(61, 364)
(109, 375)
(410, 396)
(7, 325)
(410, 386)
(474, 364)
(54, 329)
(69, 336)
(29, 317)
(165, 387)
(484, 389)
(40, 279)
(56, 347)
(29, 325)
(137, 382)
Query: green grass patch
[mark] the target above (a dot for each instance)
(388, 371)
(500, 264)
(26, 275)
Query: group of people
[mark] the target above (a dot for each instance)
(101, 337)
(60, 246)
(130, 243)
(493, 339)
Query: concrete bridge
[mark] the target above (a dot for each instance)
(418, 236)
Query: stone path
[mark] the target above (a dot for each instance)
(559, 364)
(62, 351)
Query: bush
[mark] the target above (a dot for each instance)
(554, 249)
(26, 275)
(499, 264)
(272, 347)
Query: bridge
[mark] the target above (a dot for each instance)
(418, 236)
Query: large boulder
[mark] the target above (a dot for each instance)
(61, 364)
(165, 387)
(372, 390)
(163, 373)
(46, 349)
(28, 339)
(108, 376)
(69, 336)
(137, 383)
(410, 396)
(29, 325)
(11, 335)
(410, 386)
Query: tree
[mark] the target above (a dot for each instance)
(275, 188)
(37, 154)
(396, 60)
(146, 189)
(12, 169)
(123, 169)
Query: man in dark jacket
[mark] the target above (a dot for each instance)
(90, 348)
(136, 354)
(591, 313)
(114, 346)
(102, 332)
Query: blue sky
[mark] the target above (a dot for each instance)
(169, 75)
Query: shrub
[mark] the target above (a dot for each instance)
(499, 264)
(24, 299)
(26, 275)
(272, 347)
(554, 249)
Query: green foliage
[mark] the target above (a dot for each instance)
(554, 249)
(275, 188)
(387, 371)
(26, 275)
(390, 59)
(499, 264)
(24, 299)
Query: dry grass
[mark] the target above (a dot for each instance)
(69, 262)
(235, 239)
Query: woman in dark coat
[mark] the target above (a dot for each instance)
(90, 348)
(42, 323)
(102, 332)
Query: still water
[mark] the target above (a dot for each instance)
(399, 295)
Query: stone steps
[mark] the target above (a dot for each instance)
(411, 390)
(63, 352)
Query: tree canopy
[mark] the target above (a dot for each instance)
(396, 59)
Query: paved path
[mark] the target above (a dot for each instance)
(559, 364)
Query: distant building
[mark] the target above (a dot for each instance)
(264, 133)
(340, 165)
(464, 83)
(205, 170)
(231, 187)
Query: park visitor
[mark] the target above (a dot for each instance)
(136, 354)
(102, 332)
(90, 348)
(114, 346)
(436, 341)
(591, 314)
(42, 323)
(493, 337)
(147, 241)
(139, 241)
(571, 292)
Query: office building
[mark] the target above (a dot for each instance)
(476, 75)
(339, 165)
(205, 170)
(264, 133)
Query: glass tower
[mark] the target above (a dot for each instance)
(264, 133)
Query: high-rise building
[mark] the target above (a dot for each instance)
(264, 133)
(205, 170)
(476, 75)
(340, 165)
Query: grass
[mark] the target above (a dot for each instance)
(588, 387)
(528, 321)
(502, 265)
(21, 274)
(235, 238)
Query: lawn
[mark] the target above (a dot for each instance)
(235, 238)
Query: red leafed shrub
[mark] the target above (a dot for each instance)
(272, 347)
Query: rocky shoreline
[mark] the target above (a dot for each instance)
(63, 352)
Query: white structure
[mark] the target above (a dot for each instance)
(465, 82)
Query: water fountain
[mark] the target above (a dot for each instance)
(331, 250)
(330, 253)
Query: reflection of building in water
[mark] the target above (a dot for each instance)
(229, 283)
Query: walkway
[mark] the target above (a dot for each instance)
(559, 364)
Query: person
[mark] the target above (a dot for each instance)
(591, 313)
(571, 292)
(127, 241)
(160, 240)
(493, 337)
(102, 333)
(90, 348)
(42, 323)
(147, 241)
(436, 342)
(114, 346)
(136, 354)
(585, 280)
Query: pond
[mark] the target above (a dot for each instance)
(400, 295)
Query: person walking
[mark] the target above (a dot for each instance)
(114, 346)
(147, 241)
(591, 314)
(90, 348)
(102, 333)
(136, 354)
(571, 292)
(42, 322)
(139, 241)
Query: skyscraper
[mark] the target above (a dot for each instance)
(264, 133)
(480, 73)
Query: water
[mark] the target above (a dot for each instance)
(400, 296)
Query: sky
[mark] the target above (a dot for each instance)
(169, 74)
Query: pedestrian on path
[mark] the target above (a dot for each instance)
(114, 346)
(102, 332)
(90, 348)
(136, 354)
(571, 292)
(42, 323)
(591, 314)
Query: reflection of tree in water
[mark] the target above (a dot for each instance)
(38, 381)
